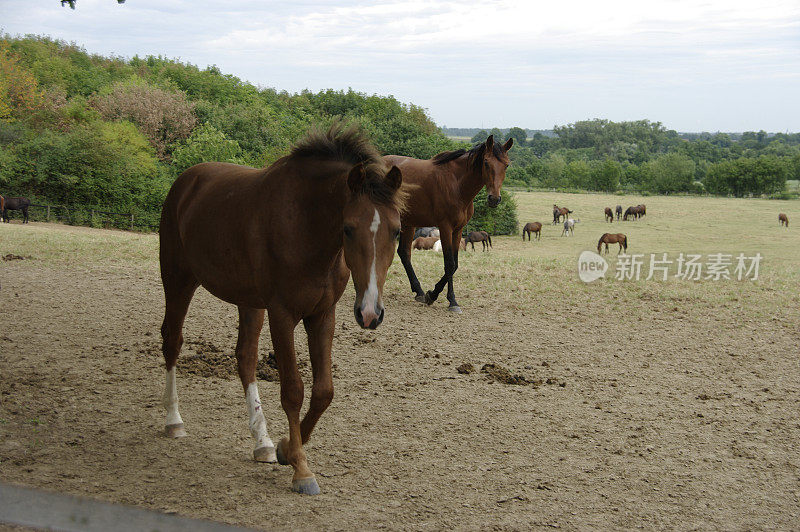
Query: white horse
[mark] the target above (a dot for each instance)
(569, 226)
(437, 246)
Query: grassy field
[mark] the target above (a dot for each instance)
(650, 404)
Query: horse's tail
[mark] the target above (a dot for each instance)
(600, 244)
(625, 243)
(490, 240)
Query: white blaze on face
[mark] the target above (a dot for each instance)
(258, 425)
(371, 294)
(171, 399)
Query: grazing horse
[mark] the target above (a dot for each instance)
(610, 238)
(569, 226)
(424, 242)
(783, 219)
(642, 209)
(556, 214)
(15, 204)
(334, 200)
(532, 227)
(618, 210)
(634, 212)
(441, 194)
(478, 236)
(609, 215)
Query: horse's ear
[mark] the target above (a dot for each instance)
(356, 178)
(489, 146)
(394, 178)
(508, 144)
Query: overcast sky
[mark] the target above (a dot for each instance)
(694, 65)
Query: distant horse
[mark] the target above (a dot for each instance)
(634, 212)
(642, 209)
(441, 194)
(424, 242)
(569, 226)
(610, 238)
(479, 236)
(15, 204)
(556, 214)
(609, 215)
(618, 210)
(532, 227)
(783, 219)
(334, 200)
(427, 231)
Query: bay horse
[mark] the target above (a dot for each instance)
(609, 215)
(642, 210)
(618, 210)
(441, 192)
(783, 219)
(532, 227)
(633, 212)
(334, 200)
(424, 242)
(15, 204)
(559, 212)
(478, 236)
(610, 238)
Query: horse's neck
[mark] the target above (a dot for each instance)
(470, 180)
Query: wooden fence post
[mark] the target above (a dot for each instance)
(131, 221)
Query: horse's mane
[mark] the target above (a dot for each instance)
(475, 154)
(351, 145)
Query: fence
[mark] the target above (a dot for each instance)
(96, 217)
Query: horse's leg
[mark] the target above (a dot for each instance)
(290, 450)
(319, 329)
(178, 291)
(25, 215)
(449, 268)
(451, 294)
(404, 250)
(250, 323)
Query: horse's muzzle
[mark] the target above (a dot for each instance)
(372, 319)
(493, 201)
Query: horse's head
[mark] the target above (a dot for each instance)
(495, 162)
(371, 224)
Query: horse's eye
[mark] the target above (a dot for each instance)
(348, 231)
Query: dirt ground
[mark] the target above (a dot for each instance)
(659, 412)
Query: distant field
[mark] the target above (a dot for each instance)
(649, 404)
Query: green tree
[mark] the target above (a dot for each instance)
(206, 143)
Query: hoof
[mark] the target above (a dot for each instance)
(175, 431)
(306, 486)
(279, 456)
(428, 299)
(455, 309)
(265, 454)
(420, 298)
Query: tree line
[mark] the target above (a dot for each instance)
(644, 156)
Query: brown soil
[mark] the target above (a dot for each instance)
(684, 420)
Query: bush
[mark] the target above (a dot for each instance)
(501, 220)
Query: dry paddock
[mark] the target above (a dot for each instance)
(642, 406)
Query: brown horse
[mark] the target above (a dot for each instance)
(15, 204)
(642, 209)
(609, 215)
(634, 212)
(618, 211)
(610, 238)
(2, 205)
(783, 219)
(532, 227)
(333, 199)
(424, 242)
(478, 236)
(441, 194)
(559, 212)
